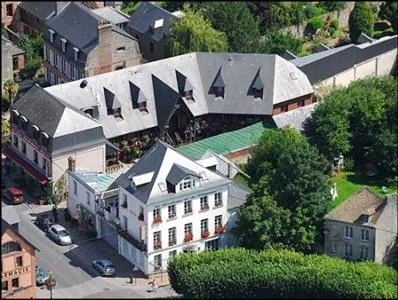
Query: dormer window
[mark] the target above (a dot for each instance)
(24, 123)
(142, 106)
(15, 115)
(117, 113)
(76, 53)
(63, 45)
(219, 92)
(52, 32)
(257, 86)
(45, 138)
(258, 93)
(187, 184)
(36, 131)
(189, 95)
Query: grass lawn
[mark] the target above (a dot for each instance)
(348, 183)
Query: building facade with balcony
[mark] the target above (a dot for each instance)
(91, 45)
(363, 227)
(169, 204)
(93, 201)
(18, 259)
(46, 132)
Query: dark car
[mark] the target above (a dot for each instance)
(44, 222)
(41, 276)
(104, 266)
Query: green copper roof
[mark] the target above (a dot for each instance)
(226, 142)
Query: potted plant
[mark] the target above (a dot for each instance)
(157, 245)
(157, 220)
(188, 237)
(219, 229)
(51, 282)
(204, 234)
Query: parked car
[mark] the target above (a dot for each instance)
(41, 276)
(14, 195)
(44, 222)
(60, 234)
(104, 266)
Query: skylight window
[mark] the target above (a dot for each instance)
(52, 32)
(63, 45)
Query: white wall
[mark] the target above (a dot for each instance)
(80, 197)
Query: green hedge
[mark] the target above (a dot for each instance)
(241, 273)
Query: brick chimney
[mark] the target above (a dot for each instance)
(71, 164)
(104, 50)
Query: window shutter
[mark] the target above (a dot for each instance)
(45, 52)
(52, 57)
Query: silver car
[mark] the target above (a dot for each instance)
(60, 234)
(104, 266)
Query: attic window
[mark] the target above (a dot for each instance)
(51, 35)
(121, 49)
(24, 122)
(258, 93)
(187, 184)
(142, 106)
(219, 91)
(76, 53)
(188, 95)
(63, 45)
(36, 131)
(45, 138)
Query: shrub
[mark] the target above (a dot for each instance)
(334, 23)
(316, 23)
(240, 273)
(311, 10)
(349, 164)
(361, 19)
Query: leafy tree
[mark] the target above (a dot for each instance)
(37, 44)
(262, 11)
(128, 7)
(237, 22)
(11, 88)
(360, 121)
(277, 42)
(361, 20)
(389, 11)
(193, 33)
(293, 173)
(316, 23)
(172, 6)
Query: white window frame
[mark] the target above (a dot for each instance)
(171, 211)
(157, 261)
(45, 52)
(364, 235)
(204, 225)
(347, 250)
(187, 184)
(52, 54)
(76, 54)
(218, 201)
(348, 232)
(172, 240)
(204, 202)
(52, 32)
(187, 204)
(218, 221)
(364, 252)
(156, 213)
(63, 45)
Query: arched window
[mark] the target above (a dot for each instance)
(187, 183)
(10, 247)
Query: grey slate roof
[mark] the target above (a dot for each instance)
(78, 25)
(9, 215)
(62, 122)
(322, 65)
(8, 48)
(39, 9)
(295, 118)
(112, 15)
(364, 38)
(145, 16)
(237, 194)
(178, 173)
(159, 82)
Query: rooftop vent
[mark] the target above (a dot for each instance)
(83, 84)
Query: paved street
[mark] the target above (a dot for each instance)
(71, 265)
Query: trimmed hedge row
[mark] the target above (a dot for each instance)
(241, 273)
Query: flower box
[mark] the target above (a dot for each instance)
(204, 207)
(188, 237)
(219, 229)
(157, 220)
(157, 245)
(204, 234)
(172, 242)
(172, 216)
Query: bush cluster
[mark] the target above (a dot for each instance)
(240, 273)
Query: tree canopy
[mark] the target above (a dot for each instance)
(291, 193)
(361, 19)
(193, 33)
(389, 12)
(360, 121)
(277, 42)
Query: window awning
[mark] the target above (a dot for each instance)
(20, 161)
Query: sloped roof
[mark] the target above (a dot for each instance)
(360, 203)
(9, 215)
(146, 15)
(39, 9)
(9, 47)
(295, 118)
(158, 81)
(178, 173)
(161, 159)
(112, 15)
(226, 142)
(78, 25)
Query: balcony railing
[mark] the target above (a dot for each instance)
(172, 242)
(188, 237)
(113, 168)
(205, 234)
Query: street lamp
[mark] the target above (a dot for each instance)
(51, 283)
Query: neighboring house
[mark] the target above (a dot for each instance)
(18, 259)
(297, 118)
(174, 96)
(12, 60)
(8, 11)
(149, 24)
(114, 16)
(79, 43)
(31, 16)
(170, 204)
(93, 201)
(340, 66)
(46, 132)
(362, 227)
